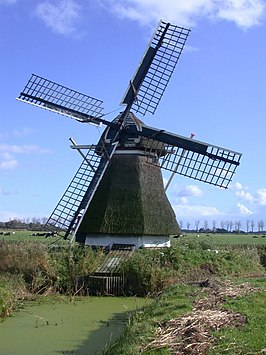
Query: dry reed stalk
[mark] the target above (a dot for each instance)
(190, 334)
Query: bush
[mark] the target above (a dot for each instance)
(45, 270)
(12, 292)
(145, 273)
(70, 263)
(150, 271)
(262, 255)
(29, 260)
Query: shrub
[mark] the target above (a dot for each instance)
(150, 271)
(145, 272)
(12, 292)
(70, 263)
(45, 270)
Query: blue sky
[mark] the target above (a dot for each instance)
(217, 92)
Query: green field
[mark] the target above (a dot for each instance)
(211, 239)
(26, 236)
(223, 239)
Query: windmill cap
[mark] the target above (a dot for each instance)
(130, 143)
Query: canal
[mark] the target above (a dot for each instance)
(84, 326)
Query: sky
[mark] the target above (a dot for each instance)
(217, 92)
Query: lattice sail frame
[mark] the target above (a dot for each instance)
(60, 99)
(156, 68)
(72, 206)
(216, 166)
(72, 198)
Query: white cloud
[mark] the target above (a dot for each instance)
(190, 191)
(149, 11)
(22, 149)
(188, 211)
(244, 13)
(61, 16)
(257, 199)
(7, 152)
(183, 207)
(8, 164)
(245, 195)
(244, 210)
(23, 132)
(261, 197)
(237, 186)
(183, 200)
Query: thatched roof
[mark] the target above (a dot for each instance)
(130, 200)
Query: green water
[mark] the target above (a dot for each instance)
(85, 326)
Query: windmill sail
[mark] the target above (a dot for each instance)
(153, 74)
(185, 156)
(60, 99)
(70, 209)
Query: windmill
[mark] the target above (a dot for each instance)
(117, 194)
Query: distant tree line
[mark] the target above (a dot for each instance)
(228, 226)
(33, 224)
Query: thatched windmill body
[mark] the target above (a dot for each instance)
(117, 194)
(130, 205)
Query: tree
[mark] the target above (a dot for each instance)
(260, 226)
(247, 224)
(214, 226)
(252, 224)
(227, 223)
(238, 226)
(34, 220)
(44, 220)
(197, 222)
(230, 226)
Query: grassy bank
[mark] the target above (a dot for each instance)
(151, 271)
(205, 305)
(186, 319)
(250, 336)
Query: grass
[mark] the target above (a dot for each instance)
(174, 302)
(26, 236)
(190, 261)
(223, 239)
(249, 338)
(209, 239)
(30, 267)
(151, 271)
(178, 301)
